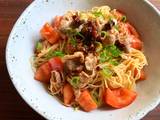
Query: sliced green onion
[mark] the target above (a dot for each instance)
(75, 81)
(96, 97)
(109, 52)
(124, 18)
(114, 62)
(79, 34)
(116, 27)
(104, 34)
(49, 54)
(73, 41)
(97, 13)
(52, 53)
(58, 53)
(106, 72)
(110, 18)
(115, 52)
(69, 31)
(104, 56)
(39, 46)
(99, 46)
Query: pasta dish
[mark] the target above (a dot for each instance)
(90, 58)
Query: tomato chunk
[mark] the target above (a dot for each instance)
(49, 33)
(132, 30)
(68, 94)
(57, 21)
(142, 76)
(86, 102)
(120, 97)
(56, 63)
(43, 73)
(136, 43)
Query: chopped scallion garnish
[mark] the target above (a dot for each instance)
(114, 62)
(124, 18)
(96, 97)
(97, 13)
(58, 53)
(104, 56)
(79, 34)
(116, 27)
(75, 81)
(99, 46)
(52, 53)
(106, 72)
(109, 52)
(115, 52)
(39, 46)
(73, 41)
(104, 34)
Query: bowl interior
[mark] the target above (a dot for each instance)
(26, 32)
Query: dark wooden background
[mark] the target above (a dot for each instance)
(12, 107)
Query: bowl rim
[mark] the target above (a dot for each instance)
(28, 8)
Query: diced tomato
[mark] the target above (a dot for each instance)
(56, 21)
(142, 76)
(43, 73)
(86, 102)
(120, 97)
(135, 72)
(49, 33)
(68, 94)
(133, 36)
(120, 12)
(136, 43)
(56, 63)
(132, 30)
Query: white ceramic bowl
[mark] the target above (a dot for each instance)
(25, 33)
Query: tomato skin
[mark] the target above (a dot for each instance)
(119, 98)
(56, 21)
(132, 30)
(68, 94)
(136, 43)
(56, 63)
(49, 33)
(43, 73)
(86, 102)
(142, 76)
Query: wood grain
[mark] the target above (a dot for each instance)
(12, 107)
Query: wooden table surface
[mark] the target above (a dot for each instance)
(12, 107)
